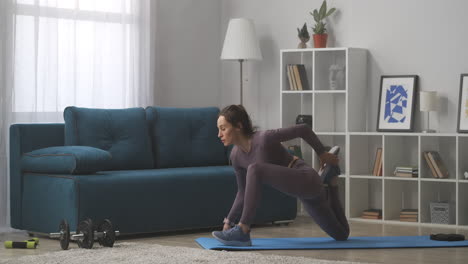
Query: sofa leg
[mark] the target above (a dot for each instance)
(284, 222)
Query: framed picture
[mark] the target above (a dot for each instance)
(397, 102)
(463, 105)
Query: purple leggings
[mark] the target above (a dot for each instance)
(300, 181)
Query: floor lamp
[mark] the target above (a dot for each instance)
(241, 44)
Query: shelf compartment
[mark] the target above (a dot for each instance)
(445, 146)
(362, 156)
(296, 57)
(437, 192)
(330, 70)
(463, 204)
(330, 141)
(462, 156)
(399, 151)
(366, 194)
(399, 194)
(294, 105)
(329, 112)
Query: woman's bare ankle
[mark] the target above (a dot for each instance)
(245, 228)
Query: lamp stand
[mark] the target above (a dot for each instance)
(241, 80)
(428, 130)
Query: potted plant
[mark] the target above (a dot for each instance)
(304, 36)
(320, 35)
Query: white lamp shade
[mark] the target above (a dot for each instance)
(241, 41)
(427, 101)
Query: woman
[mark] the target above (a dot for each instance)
(258, 157)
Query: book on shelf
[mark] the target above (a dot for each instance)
(406, 175)
(409, 212)
(372, 214)
(377, 171)
(290, 79)
(409, 215)
(438, 164)
(406, 171)
(297, 77)
(303, 77)
(295, 86)
(430, 165)
(372, 211)
(407, 168)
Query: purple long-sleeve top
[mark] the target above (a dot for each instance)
(266, 147)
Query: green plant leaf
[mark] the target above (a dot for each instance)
(330, 12)
(316, 16)
(303, 33)
(319, 28)
(315, 29)
(323, 10)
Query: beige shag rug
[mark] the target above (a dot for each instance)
(136, 253)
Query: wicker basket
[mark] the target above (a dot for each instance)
(442, 213)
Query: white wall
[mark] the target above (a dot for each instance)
(187, 55)
(423, 37)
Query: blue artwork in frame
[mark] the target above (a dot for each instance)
(397, 102)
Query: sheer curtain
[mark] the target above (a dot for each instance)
(58, 53)
(6, 84)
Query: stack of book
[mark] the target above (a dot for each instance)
(435, 163)
(406, 171)
(409, 215)
(297, 77)
(372, 214)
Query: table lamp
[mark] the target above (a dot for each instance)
(428, 103)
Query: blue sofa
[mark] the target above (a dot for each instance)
(147, 170)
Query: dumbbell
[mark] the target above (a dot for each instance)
(106, 234)
(85, 234)
(30, 243)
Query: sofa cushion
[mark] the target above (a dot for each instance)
(185, 137)
(66, 160)
(122, 132)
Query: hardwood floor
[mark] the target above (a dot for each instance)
(302, 227)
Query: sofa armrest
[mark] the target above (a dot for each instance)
(25, 138)
(66, 160)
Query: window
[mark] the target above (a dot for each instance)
(76, 52)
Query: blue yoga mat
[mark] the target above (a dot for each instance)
(330, 243)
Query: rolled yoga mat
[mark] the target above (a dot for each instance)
(330, 243)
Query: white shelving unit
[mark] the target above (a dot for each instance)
(339, 118)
